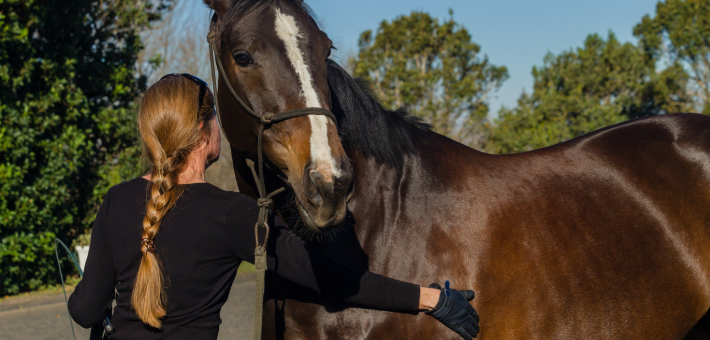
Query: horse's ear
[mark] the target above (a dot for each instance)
(219, 6)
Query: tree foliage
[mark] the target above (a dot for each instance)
(680, 33)
(584, 89)
(67, 105)
(435, 69)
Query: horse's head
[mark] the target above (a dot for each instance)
(274, 56)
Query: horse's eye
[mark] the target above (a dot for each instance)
(243, 59)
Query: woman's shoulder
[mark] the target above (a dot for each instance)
(207, 191)
(219, 193)
(243, 204)
(234, 204)
(204, 192)
(128, 188)
(141, 184)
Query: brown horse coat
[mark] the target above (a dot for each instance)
(606, 236)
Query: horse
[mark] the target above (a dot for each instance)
(603, 236)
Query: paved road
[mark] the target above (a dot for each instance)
(49, 321)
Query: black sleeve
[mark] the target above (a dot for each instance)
(306, 265)
(92, 298)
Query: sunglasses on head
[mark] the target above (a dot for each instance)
(201, 83)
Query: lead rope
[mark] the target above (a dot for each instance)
(72, 257)
(108, 328)
(264, 201)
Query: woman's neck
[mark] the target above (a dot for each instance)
(194, 171)
(189, 177)
(186, 177)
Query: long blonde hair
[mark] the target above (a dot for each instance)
(171, 126)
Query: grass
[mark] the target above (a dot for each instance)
(70, 283)
(245, 267)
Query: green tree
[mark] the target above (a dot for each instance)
(680, 33)
(67, 105)
(435, 69)
(584, 89)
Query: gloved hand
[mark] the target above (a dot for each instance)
(454, 311)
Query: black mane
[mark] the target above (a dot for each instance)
(365, 125)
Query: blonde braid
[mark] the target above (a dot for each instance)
(149, 287)
(170, 129)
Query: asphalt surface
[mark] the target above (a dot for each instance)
(45, 318)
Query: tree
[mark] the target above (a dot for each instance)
(433, 68)
(680, 34)
(169, 48)
(68, 90)
(578, 91)
(178, 50)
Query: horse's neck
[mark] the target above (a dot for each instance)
(438, 164)
(403, 215)
(434, 155)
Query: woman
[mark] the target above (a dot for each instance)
(172, 284)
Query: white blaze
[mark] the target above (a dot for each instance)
(287, 30)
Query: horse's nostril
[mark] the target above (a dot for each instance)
(314, 190)
(313, 181)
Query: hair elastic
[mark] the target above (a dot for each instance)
(147, 245)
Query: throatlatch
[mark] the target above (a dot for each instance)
(264, 201)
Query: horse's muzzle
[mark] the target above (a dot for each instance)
(325, 201)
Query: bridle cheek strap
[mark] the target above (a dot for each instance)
(265, 200)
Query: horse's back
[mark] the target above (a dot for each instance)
(612, 230)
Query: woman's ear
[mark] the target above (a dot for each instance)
(205, 140)
(219, 6)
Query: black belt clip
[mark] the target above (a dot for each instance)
(108, 327)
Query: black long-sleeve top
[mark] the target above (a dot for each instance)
(200, 245)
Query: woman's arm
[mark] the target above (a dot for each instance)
(311, 267)
(92, 298)
(428, 298)
(338, 271)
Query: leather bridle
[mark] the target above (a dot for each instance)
(265, 200)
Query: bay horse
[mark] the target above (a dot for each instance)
(603, 236)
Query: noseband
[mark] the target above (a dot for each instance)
(265, 201)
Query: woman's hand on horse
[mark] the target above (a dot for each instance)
(452, 309)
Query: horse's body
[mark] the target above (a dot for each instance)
(603, 237)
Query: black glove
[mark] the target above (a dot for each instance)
(454, 311)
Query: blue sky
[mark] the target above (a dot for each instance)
(514, 33)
